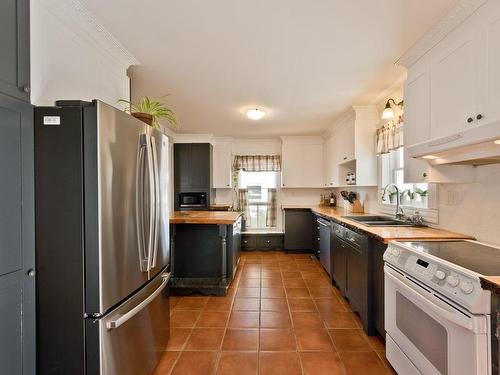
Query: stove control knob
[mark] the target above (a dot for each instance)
(452, 280)
(466, 287)
(440, 275)
(395, 252)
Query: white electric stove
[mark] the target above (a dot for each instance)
(437, 316)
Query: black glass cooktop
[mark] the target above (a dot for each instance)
(479, 258)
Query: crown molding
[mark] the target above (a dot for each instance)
(82, 21)
(457, 14)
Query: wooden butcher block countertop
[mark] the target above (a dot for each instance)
(384, 233)
(204, 217)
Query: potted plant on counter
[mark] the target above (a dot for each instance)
(424, 196)
(150, 111)
(392, 193)
(411, 196)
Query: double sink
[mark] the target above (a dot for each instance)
(379, 221)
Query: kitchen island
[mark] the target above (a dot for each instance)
(205, 249)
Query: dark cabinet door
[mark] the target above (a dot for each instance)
(15, 49)
(315, 235)
(339, 264)
(17, 249)
(356, 277)
(182, 165)
(200, 155)
(192, 166)
(298, 231)
(378, 250)
(324, 244)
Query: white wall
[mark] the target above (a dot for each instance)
(73, 56)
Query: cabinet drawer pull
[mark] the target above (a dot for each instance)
(245, 242)
(470, 119)
(268, 241)
(479, 116)
(352, 239)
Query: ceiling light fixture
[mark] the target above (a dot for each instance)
(255, 114)
(429, 157)
(497, 141)
(388, 113)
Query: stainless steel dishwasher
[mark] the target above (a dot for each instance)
(324, 243)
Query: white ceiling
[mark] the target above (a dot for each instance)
(304, 62)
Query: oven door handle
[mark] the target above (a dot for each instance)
(432, 306)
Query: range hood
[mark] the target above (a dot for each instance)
(475, 146)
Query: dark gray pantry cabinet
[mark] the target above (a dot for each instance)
(17, 249)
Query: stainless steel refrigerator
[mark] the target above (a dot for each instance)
(102, 240)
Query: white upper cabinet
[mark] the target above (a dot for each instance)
(417, 119)
(345, 148)
(222, 165)
(454, 84)
(302, 162)
(332, 145)
(350, 147)
(463, 68)
(489, 96)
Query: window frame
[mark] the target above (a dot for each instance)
(430, 212)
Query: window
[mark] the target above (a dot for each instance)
(392, 165)
(260, 186)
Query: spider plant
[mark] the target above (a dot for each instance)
(410, 193)
(153, 107)
(422, 193)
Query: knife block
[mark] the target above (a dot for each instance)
(353, 208)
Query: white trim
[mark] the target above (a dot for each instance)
(457, 14)
(80, 19)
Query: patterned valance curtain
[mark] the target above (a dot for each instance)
(389, 137)
(242, 204)
(257, 163)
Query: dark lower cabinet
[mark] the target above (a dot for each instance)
(325, 237)
(339, 259)
(315, 235)
(204, 257)
(17, 248)
(357, 281)
(351, 271)
(298, 229)
(378, 249)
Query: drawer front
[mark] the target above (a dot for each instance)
(269, 242)
(354, 238)
(248, 243)
(339, 230)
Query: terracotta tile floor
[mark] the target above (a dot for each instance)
(281, 317)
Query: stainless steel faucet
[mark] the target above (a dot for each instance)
(399, 210)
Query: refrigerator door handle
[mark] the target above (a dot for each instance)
(123, 318)
(152, 199)
(156, 203)
(139, 204)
